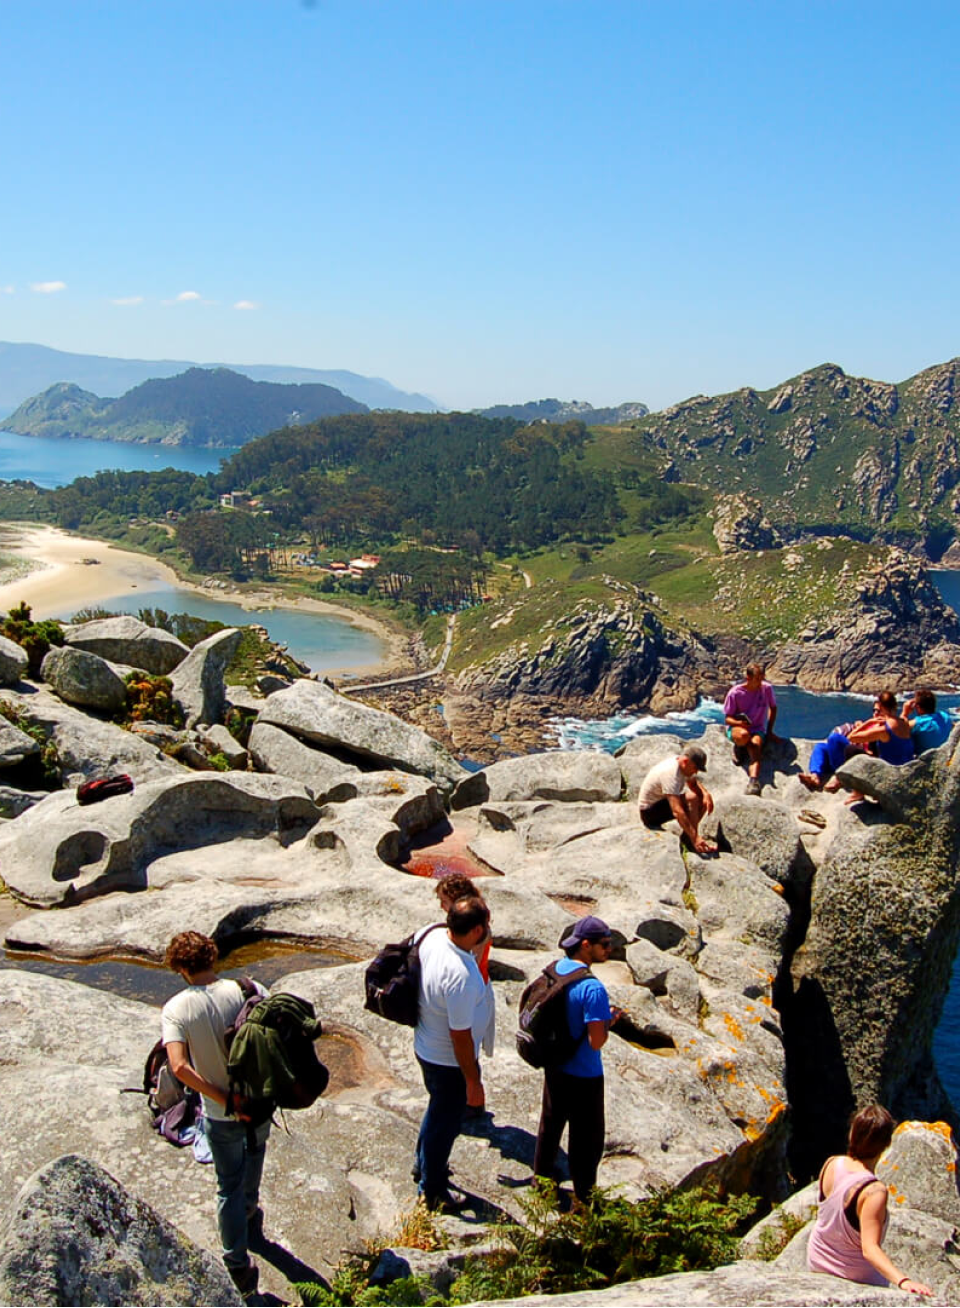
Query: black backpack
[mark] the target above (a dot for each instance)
(543, 1035)
(392, 981)
(272, 1061)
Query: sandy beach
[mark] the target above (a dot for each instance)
(49, 569)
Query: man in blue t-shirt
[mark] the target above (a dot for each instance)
(573, 1091)
(930, 726)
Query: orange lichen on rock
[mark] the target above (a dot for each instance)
(733, 1026)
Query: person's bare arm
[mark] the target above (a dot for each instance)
(770, 721)
(872, 1210)
(680, 813)
(701, 790)
(184, 1071)
(467, 1060)
(597, 1033)
(686, 826)
(869, 731)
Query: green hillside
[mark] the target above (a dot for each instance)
(823, 450)
(211, 407)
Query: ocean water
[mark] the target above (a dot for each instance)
(50, 462)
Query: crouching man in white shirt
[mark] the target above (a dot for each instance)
(671, 789)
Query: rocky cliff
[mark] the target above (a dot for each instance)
(824, 447)
(860, 629)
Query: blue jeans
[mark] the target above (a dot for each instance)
(239, 1168)
(440, 1126)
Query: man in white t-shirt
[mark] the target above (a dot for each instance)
(194, 1024)
(451, 1021)
(671, 790)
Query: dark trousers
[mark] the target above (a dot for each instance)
(440, 1126)
(577, 1101)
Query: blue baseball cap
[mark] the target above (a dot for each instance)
(585, 928)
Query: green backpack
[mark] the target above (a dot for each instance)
(271, 1059)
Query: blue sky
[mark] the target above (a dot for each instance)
(488, 202)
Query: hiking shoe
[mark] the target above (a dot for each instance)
(246, 1279)
(753, 787)
(444, 1204)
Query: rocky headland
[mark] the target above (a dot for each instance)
(766, 991)
(879, 626)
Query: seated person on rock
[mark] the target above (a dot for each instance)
(930, 726)
(887, 734)
(852, 1211)
(671, 790)
(750, 710)
(827, 755)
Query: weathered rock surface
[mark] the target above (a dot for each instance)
(13, 662)
(361, 735)
(83, 679)
(743, 1284)
(13, 802)
(558, 774)
(126, 639)
(86, 746)
(15, 745)
(869, 980)
(275, 750)
(59, 852)
(740, 524)
(615, 652)
(76, 1236)
(219, 741)
(899, 632)
(198, 682)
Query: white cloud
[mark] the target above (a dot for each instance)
(185, 296)
(48, 288)
(246, 304)
(8, 290)
(127, 299)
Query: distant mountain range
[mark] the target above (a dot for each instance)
(26, 370)
(564, 410)
(200, 407)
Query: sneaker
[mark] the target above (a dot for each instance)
(246, 1279)
(753, 787)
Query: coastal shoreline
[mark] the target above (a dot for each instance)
(51, 575)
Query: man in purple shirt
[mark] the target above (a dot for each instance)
(750, 711)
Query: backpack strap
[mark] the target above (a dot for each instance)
(417, 940)
(248, 987)
(566, 979)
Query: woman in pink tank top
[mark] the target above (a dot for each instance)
(852, 1216)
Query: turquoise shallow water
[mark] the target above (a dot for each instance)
(323, 643)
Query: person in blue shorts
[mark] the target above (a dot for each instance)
(573, 1092)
